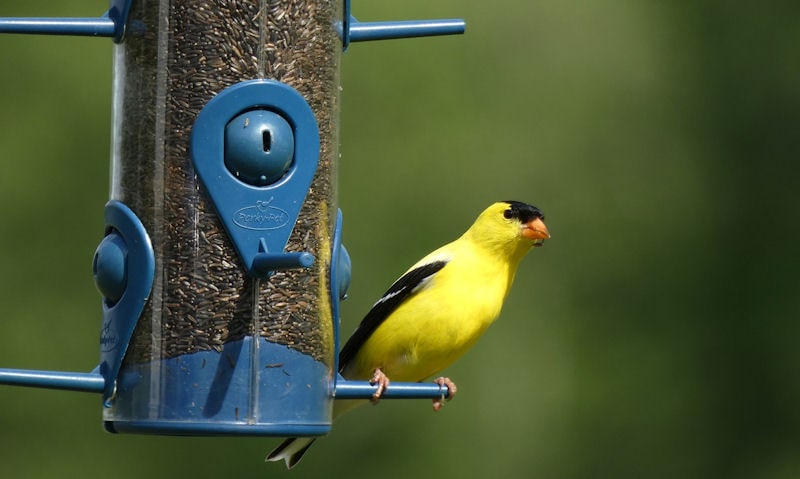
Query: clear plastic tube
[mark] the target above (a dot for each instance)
(176, 56)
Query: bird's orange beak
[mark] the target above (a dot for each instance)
(535, 230)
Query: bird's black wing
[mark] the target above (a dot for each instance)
(398, 293)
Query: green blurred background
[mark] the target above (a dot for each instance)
(654, 336)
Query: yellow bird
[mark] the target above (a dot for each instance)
(437, 310)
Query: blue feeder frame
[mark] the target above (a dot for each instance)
(124, 262)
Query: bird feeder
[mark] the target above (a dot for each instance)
(221, 266)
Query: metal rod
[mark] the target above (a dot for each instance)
(85, 382)
(364, 390)
(95, 27)
(264, 263)
(364, 31)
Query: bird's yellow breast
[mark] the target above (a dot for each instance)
(439, 323)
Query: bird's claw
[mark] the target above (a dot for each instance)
(382, 381)
(438, 403)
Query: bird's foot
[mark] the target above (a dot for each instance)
(382, 381)
(438, 403)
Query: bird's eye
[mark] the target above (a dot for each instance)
(508, 214)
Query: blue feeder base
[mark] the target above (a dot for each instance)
(269, 390)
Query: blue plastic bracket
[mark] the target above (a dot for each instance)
(124, 267)
(339, 281)
(259, 219)
(351, 30)
(125, 248)
(111, 24)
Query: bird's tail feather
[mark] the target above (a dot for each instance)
(291, 450)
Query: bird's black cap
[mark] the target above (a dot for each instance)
(522, 211)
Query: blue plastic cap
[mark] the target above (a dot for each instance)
(109, 267)
(343, 271)
(259, 147)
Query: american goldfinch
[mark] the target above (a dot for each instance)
(437, 310)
